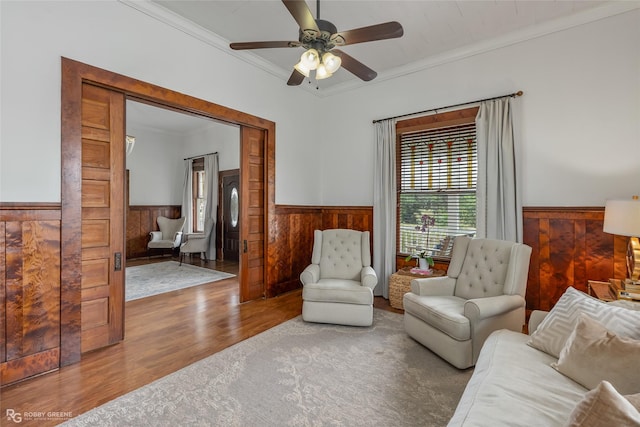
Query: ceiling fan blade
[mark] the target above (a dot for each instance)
(354, 66)
(301, 13)
(262, 45)
(388, 30)
(296, 78)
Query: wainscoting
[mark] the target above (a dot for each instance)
(141, 220)
(569, 248)
(30, 299)
(290, 253)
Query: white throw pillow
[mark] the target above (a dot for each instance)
(555, 329)
(593, 354)
(604, 407)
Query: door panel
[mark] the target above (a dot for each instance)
(231, 218)
(102, 216)
(252, 214)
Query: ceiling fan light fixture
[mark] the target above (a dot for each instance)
(331, 62)
(303, 69)
(322, 72)
(311, 59)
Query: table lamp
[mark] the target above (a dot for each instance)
(622, 217)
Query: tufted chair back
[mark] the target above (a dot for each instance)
(340, 253)
(487, 268)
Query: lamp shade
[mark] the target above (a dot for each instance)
(322, 72)
(302, 68)
(310, 59)
(331, 62)
(622, 217)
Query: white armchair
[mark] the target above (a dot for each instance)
(197, 242)
(169, 236)
(483, 291)
(338, 285)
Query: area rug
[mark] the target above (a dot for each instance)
(157, 278)
(300, 374)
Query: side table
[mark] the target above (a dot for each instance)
(400, 284)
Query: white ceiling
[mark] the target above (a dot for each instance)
(434, 32)
(431, 28)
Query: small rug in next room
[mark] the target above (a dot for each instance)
(152, 279)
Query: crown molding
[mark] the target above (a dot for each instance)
(174, 20)
(192, 29)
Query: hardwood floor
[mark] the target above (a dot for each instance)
(163, 334)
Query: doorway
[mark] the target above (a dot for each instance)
(257, 146)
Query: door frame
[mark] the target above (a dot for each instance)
(74, 73)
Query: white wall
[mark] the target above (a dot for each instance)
(581, 108)
(580, 114)
(116, 37)
(221, 138)
(155, 167)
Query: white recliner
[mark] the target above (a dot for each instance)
(338, 285)
(484, 291)
(169, 236)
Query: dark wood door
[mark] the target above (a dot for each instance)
(231, 216)
(103, 198)
(252, 213)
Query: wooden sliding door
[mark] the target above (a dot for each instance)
(103, 197)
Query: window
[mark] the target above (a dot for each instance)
(437, 173)
(199, 195)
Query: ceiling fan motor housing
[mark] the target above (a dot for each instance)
(321, 41)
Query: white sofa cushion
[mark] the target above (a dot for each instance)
(592, 345)
(337, 290)
(555, 329)
(445, 313)
(514, 385)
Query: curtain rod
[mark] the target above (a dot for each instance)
(513, 95)
(201, 155)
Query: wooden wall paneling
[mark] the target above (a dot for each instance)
(141, 220)
(294, 227)
(569, 248)
(3, 313)
(30, 295)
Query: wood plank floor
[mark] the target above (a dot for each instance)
(163, 333)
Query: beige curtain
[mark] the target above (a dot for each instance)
(499, 205)
(187, 208)
(384, 205)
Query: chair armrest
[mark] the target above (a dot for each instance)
(483, 308)
(368, 277)
(177, 238)
(311, 274)
(156, 235)
(192, 236)
(434, 286)
(537, 316)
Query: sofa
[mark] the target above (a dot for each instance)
(576, 368)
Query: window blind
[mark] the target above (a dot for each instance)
(437, 188)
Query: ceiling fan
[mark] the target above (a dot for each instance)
(319, 39)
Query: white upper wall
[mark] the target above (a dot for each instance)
(580, 110)
(116, 37)
(580, 114)
(155, 167)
